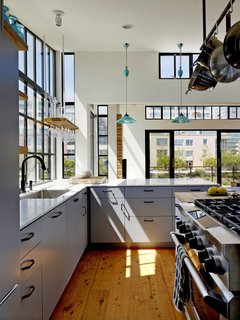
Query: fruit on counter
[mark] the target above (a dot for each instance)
(216, 190)
(212, 190)
(222, 190)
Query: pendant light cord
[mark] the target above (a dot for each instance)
(126, 73)
(180, 72)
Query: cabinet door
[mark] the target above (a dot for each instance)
(73, 227)
(54, 258)
(107, 220)
(149, 229)
(10, 305)
(84, 223)
(31, 298)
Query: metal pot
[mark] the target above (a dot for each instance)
(201, 79)
(207, 49)
(220, 69)
(231, 46)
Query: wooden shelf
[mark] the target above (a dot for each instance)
(22, 150)
(22, 96)
(62, 123)
(14, 37)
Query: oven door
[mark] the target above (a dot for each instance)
(207, 302)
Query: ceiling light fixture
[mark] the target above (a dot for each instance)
(126, 119)
(58, 18)
(180, 118)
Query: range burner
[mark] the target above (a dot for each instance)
(227, 211)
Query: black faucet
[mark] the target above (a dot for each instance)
(23, 181)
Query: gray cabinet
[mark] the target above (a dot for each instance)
(31, 297)
(107, 215)
(76, 229)
(31, 272)
(9, 305)
(9, 195)
(148, 215)
(54, 258)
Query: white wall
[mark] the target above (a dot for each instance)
(100, 80)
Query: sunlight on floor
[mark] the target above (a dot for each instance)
(146, 262)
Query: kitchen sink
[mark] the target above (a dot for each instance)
(44, 194)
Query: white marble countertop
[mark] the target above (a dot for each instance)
(155, 182)
(32, 209)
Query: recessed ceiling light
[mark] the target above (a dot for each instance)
(127, 26)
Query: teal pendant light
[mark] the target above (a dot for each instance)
(126, 119)
(180, 118)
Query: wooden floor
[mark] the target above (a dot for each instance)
(120, 284)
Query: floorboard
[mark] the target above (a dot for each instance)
(120, 284)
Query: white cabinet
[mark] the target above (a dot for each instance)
(76, 229)
(54, 258)
(107, 215)
(31, 272)
(148, 215)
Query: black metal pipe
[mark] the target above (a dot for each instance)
(1, 15)
(219, 20)
(204, 19)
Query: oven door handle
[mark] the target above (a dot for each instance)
(217, 302)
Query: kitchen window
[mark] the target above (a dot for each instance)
(68, 147)
(218, 161)
(102, 129)
(169, 64)
(192, 113)
(33, 132)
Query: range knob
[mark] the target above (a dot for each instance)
(185, 227)
(207, 253)
(198, 242)
(216, 264)
(178, 222)
(191, 234)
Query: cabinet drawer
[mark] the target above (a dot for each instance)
(144, 207)
(149, 229)
(30, 263)
(190, 188)
(145, 192)
(30, 237)
(107, 193)
(31, 298)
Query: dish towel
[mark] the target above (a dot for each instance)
(182, 285)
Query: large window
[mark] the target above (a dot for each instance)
(218, 160)
(33, 132)
(102, 140)
(69, 89)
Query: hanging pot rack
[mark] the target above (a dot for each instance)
(219, 20)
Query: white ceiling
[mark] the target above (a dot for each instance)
(96, 25)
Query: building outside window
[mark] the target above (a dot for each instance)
(189, 142)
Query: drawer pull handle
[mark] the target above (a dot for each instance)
(85, 211)
(76, 200)
(29, 236)
(27, 264)
(56, 214)
(148, 201)
(148, 190)
(31, 289)
(106, 191)
(148, 220)
(195, 190)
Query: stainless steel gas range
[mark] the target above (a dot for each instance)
(209, 231)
